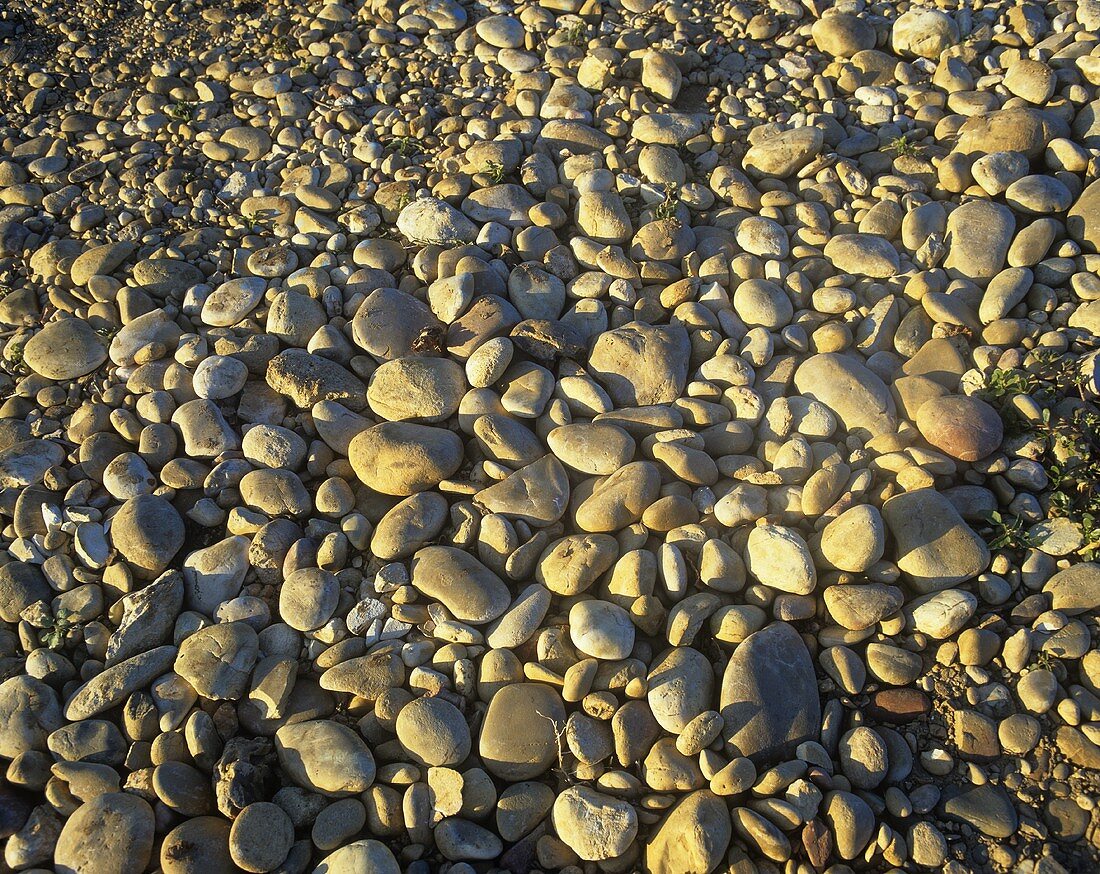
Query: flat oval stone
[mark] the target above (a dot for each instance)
(861, 400)
(515, 755)
(694, 836)
(403, 458)
(325, 756)
(592, 448)
(935, 548)
(424, 389)
(759, 724)
(231, 301)
(538, 494)
(571, 564)
(461, 583)
(680, 685)
(595, 826)
(434, 732)
(65, 349)
(110, 834)
(964, 427)
(641, 364)
(366, 856)
(409, 525)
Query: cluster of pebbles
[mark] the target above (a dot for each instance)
(577, 435)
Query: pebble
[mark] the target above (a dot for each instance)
(557, 437)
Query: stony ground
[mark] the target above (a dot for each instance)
(578, 435)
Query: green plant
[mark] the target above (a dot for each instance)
(404, 146)
(798, 100)
(14, 353)
(57, 627)
(1068, 432)
(280, 48)
(575, 33)
(903, 146)
(1090, 530)
(666, 209)
(494, 170)
(181, 110)
(1007, 532)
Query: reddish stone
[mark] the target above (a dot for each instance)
(898, 705)
(818, 843)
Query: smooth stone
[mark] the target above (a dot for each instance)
(1018, 129)
(308, 598)
(215, 574)
(863, 254)
(593, 448)
(852, 822)
(29, 714)
(620, 499)
(232, 301)
(680, 686)
(512, 755)
(1076, 589)
(467, 588)
(693, 837)
(434, 732)
(110, 834)
(979, 234)
(784, 153)
(571, 564)
(941, 614)
(1083, 218)
(218, 660)
(986, 807)
(409, 525)
(855, 539)
(963, 427)
(601, 630)
(537, 494)
(197, 846)
(594, 825)
(934, 547)
(641, 364)
(859, 398)
(366, 856)
(924, 33)
(261, 837)
(65, 349)
(779, 558)
(403, 458)
(389, 323)
(759, 724)
(326, 757)
(116, 683)
(415, 388)
(428, 220)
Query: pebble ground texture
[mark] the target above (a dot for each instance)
(572, 436)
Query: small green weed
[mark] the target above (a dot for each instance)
(181, 110)
(281, 48)
(666, 209)
(1007, 532)
(575, 34)
(57, 629)
(494, 170)
(1068, 429)
(903, 146)
(404, 146)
